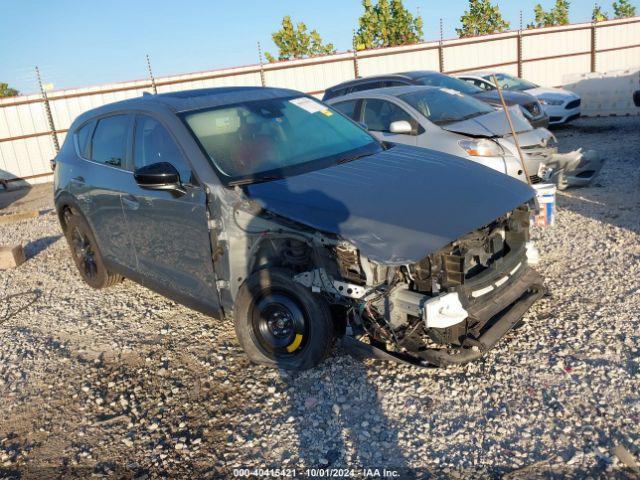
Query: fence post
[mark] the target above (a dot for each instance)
(593, 46)
(47, 110)
(263, 82)
(356, 70)
(153, 80)
(520, 48)
(441, 51)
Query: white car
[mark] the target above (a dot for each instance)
(562, 106)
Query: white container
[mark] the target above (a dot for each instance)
(546, 195)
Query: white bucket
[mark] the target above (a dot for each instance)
(546, 194)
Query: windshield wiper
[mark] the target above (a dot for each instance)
(250, 180)
(350, 159)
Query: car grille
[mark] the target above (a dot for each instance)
(573, 104)
(533, 108)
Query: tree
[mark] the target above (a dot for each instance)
(296, 42)
(623, 9)
(7, 91)
(387, 24)
(558, 15)
(482, 18)
(598, 14)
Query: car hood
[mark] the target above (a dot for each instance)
(398, 205)
(493, 124)
(510, 97)
(552, 93)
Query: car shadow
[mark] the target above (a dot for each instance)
(339, 418)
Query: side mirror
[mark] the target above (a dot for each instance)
(401, 127)
(159, 176)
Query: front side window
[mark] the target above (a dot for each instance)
(380, 114)
(442, 106)
(109, 143)
(262, 139)
(154, 144)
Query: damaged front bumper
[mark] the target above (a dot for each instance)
(575, 169)
(489, 305)
(499, 316)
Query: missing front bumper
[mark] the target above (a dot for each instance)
(501, 313)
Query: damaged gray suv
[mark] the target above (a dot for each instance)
(268, 207)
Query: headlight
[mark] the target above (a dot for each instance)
(548, 101)
(481, 148)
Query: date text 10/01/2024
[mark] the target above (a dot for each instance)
(317, 472)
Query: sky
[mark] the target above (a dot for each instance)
(86, 42)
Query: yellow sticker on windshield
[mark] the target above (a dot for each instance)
(326, 112)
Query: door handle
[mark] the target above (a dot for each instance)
(130, 202)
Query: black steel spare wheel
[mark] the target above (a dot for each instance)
(281, 323)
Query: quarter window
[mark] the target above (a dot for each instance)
(83, 135)
(379, 114)
(154, 144)
(109, 144)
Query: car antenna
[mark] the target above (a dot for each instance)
(153, 80)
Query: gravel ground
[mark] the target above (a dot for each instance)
(126, 382)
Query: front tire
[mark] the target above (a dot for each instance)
(280, 323)
(86, 255)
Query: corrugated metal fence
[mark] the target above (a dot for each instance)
(546, 56)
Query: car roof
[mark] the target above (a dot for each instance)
(411, 75)
(482, 73)
(382, 92)
(194, 99)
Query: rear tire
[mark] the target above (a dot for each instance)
(280, 323)
(86, 254)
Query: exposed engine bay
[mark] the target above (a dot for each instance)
(433, 311)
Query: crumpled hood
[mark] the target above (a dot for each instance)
(492, 124)
(396, 206)
(552, 93)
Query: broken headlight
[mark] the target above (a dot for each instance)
(481, 147)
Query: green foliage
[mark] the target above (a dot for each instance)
(623, 9)
(598, 14)
(558, 15)
(297, 42)
(7, 91)
(482, 18)
(387, 24)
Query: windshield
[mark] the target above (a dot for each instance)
(512, 83)
(273, 138)
(442, 106)
(439, 80)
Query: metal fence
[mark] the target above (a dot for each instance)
(31, 126)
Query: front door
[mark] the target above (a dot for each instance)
(169, 230)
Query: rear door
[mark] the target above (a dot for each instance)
(98, 180)
(170, 230)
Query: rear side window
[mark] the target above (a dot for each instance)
(348, 108)
(83, 137)
(153, 144)
(109, 144)
(379, 114)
